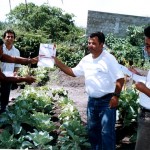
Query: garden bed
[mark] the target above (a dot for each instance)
(76, 92)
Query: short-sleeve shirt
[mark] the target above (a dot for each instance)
(144, 100)
(9, 67)
(100, 73)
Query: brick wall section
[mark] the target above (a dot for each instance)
(112, 23)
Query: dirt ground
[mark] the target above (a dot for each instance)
(76, 92)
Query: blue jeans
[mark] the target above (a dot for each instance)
(101, 123)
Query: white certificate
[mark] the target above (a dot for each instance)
(125, 70)
(46, 52)
(135, 77)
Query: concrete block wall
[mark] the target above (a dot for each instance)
(112, 22)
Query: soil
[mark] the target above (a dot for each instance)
(76, 92)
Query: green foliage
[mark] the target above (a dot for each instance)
(29, 44)
(27, 124)
(124, 51)
(69, 112)
(24, 107)
(2, 25)
(40, 73)
(61, 93)
(16, 115)
(136, 35)
(38, 140)
(70, 55)
(73, 136)
(44, 24)
(7, 140)
(25, 114)
(42, 122)
(51, 21)
(128, 106)
(128, 110)
(146, 65)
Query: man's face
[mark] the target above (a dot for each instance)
(147, 45)
(94, 46)
(9, 39)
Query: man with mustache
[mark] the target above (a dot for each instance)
(103, 81)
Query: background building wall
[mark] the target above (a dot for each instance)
(112, 23)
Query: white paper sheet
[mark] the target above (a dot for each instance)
(46, 52)
(135, 77)
(138, 78)
(125, 70)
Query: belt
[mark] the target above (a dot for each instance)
(103, 97)
(143, 109)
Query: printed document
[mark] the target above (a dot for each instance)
(46, 52)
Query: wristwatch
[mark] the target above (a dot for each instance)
(116, 94)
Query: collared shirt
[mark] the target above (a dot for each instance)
(8, 68)
(144, 100)
(100, 73)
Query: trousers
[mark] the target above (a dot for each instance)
(5, 92)
(143, 133)
(101, 121)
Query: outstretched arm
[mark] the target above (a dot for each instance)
(18, 60)
(63, 67)
(27, 79)
(142, 88)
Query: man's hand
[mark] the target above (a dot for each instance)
(34, 60)
(140, 86)
(29, 79)
(113, 102)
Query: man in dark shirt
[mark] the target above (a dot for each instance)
(19, 60)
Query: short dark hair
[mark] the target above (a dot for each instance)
(147, 31)
(1, 42)
(100, 35)
(9, 31)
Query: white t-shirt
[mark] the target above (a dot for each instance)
(8, 68)
(144, 100)
(100, 73)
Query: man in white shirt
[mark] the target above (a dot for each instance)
(103, 81)
(143, 136)
(9, 69)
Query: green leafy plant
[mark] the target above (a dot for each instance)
(38, 140)
(42, 122)
(7, 140)
(124, 51)
(128, 111)
(73, 136)
(128, 106)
